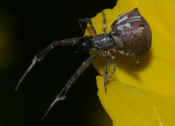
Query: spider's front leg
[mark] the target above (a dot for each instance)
(44, 52)
(62, 94)
(88, 20)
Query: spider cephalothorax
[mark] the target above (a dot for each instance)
(130, 35)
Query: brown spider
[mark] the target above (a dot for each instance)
(130, 35)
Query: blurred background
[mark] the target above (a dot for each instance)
(24, 29)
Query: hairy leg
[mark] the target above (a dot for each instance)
(44, 52)
(62, 94)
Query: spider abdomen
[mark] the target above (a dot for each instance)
(132, 32)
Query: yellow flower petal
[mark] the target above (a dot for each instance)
(142, 95)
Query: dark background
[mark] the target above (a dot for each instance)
(31, 25)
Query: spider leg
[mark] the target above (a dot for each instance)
(62, 94)
(114, 68)
(106, 70)
(104, 22)
(44, 52)
(88, 20)
(108, 77)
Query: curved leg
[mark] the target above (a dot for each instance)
(41, 55)
(62, 94)
(88, 20)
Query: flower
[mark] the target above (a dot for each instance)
(142, 95)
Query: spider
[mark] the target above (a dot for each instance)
(130, 35)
